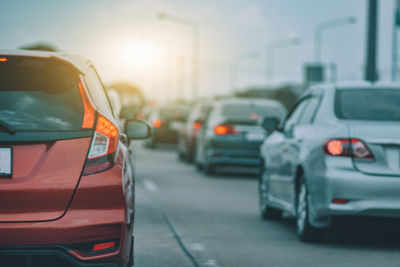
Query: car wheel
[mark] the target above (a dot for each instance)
(266, 211)
(305, 231)
(181, 156)
(208, 168)
(190, 157)
(197, 163)
(153, 144)
(131, 261)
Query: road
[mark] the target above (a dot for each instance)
(184, 218)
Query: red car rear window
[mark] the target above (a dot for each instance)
(40, 94)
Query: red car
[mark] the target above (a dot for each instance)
(66, 174)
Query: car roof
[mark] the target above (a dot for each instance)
(253, 101)
(358, 85)
(77, 61)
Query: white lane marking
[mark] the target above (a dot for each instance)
(212, 263)
(150, 186)
(196, 247)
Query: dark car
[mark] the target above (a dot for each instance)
(187, 136)
(166, 122)
(66, 176)
(231, 135)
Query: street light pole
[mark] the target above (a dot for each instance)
(371, 73)
(271, 47)
(325, 25)
(396, 25)
(195, 47)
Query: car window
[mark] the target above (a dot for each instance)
(309, 111)
(295, 116)
(368, 104)
(174, 113)
(98, 91)
(46, 98)
(249, 110)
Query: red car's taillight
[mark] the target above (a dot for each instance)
(157, 123)
(102, 149)
(196, 126)
(88, 110)
(224, 130)
(347, 148)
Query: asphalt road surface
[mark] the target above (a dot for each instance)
(184, 218)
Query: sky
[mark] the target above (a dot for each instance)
(126, 40)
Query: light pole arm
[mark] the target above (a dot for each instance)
(325, 25)
(195, 46)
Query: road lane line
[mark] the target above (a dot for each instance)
(212, 263)
(166, 219)
(197, 247)
(150, 186)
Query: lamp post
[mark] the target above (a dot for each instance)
(234, 67)
(271, 47)
(396, 26)
(195, 46)
(326, 25)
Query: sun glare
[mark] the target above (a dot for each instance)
(141, 55)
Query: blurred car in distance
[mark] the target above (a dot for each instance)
(166, 121)
(231, 136)
(187, 136)
(66, 178)
(336, 154)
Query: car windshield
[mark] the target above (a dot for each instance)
(368, 104)
(174, 113)
(46, 99)
(249, 110)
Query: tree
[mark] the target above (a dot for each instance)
(40, 46)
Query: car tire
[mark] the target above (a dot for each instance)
(305, 231)
(181, 156)
(153, 144)
(197, 163)
(266, 211)
(131, 257)
(208, 167)
(190, 157)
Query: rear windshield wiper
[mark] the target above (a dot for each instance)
(7, 127)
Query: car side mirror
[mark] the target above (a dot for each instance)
(137, 129)
(270, 124)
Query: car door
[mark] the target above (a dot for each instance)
(201, 137)
(286, 152)
(296, 141)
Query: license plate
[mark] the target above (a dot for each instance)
(255, 136)
(5, 161)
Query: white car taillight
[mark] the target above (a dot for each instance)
(102, 149)
(347, 148)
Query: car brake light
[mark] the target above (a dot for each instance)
(196, 126)
(157, 123)
(347, 148)
(88, 110)
(3, 59)
(224, 130)
(103, 147)
(103, 246)
(340, 201)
